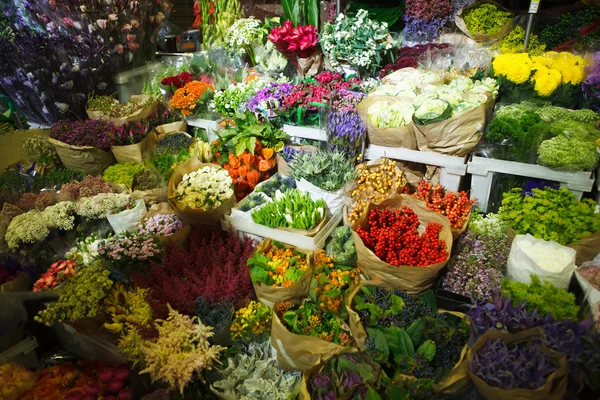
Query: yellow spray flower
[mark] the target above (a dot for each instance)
(516, 67)
(574, 75)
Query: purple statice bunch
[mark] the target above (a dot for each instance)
(346, 100)
(420, 31)
(513, 366)
(477, 268)
(130, 133)
(128, 249)
(267, 100)
(591, 84)
(95, 133)
(161, 224)
(289, 153)
(346, 133)
(48, 75)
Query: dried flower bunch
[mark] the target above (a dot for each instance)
(89, 186)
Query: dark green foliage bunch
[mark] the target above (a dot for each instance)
(550, 214)
(543, 297)
(407, 336)
(567, 28)
(516, 139)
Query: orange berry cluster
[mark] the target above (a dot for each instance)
(455, 207)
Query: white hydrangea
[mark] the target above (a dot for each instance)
(206, 188)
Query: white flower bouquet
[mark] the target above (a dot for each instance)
(206, 188)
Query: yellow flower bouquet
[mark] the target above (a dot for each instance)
(552, 76)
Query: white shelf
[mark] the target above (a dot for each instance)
(305, 132)
(208, 124)
(483, 170)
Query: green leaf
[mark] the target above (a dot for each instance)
(427, 350)
(240, 147)
(429, 299)
(397, 304)
(332, 293)
(290, 318)
(258, 274)
(400, 343)
(415, 330)
(278, 245)
(293, 274)
(372, 394)
(381, 345)
(311, 12)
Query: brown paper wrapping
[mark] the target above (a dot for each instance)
(139, 115)
(91, 160)
(586, 248)
(482, 37)
(195, 216)
(412, 280)
(179, 238)
(151, 196)
(164, 130)
(269, 295)
(283, 168)
(308, 66)
(556, 384)
(301, 352)
(456, 380)
(402, 136)
(19, 284)
(134, 153)
(455, 136)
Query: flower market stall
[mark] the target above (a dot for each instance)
(320, 200)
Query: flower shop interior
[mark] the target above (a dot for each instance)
(299, 199)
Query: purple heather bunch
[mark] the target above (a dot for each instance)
(507, 367)
(161, 224)
(129, 249)
(91, 132)
(346, 133)
(477, 268)
(267, 100)
(130, 133)
(428, 10)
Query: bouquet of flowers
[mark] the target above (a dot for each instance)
(299, 45)
(95, 133)
(129, 249)
(58, 272)
(554, 77)
(359, 41)
(252, 322)
(243, 36)
(161, 224)
(425, 18)
(206, 188)
(280, 266)
(591, 84)
(192, 98)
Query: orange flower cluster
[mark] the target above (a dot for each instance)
(248, 170)
(455, 207)
(331, 283)
(58, 381)
(186, 98)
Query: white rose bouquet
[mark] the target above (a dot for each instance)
(206, 188)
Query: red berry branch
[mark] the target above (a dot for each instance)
(455, 207)
(393, 237)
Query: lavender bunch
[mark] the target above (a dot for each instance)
(289, 153)
(477, 269)
(346, 133)
(420, 31)
(268, 99)
(161, 224)
(512, 366)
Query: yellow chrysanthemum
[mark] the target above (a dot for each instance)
(537, 66)
(516, 67)
(546, 81)
(574, 75)
(540, 60)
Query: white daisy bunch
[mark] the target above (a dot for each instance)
(357, 40)
(241, 35)
(206, 188)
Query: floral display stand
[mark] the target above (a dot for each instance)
(483, 170)
(247, 226)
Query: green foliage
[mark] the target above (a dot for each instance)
(516, 139)
(294, 209)
(513, 42)
(341, 246)
(571, 154)
(550, 214)
(122, 173)
(327, 170)
(165, 163)
(545, 297)
(486, 18)
(567, 28)
(302, 11)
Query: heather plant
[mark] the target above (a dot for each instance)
(214, 267)
(95, 133)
